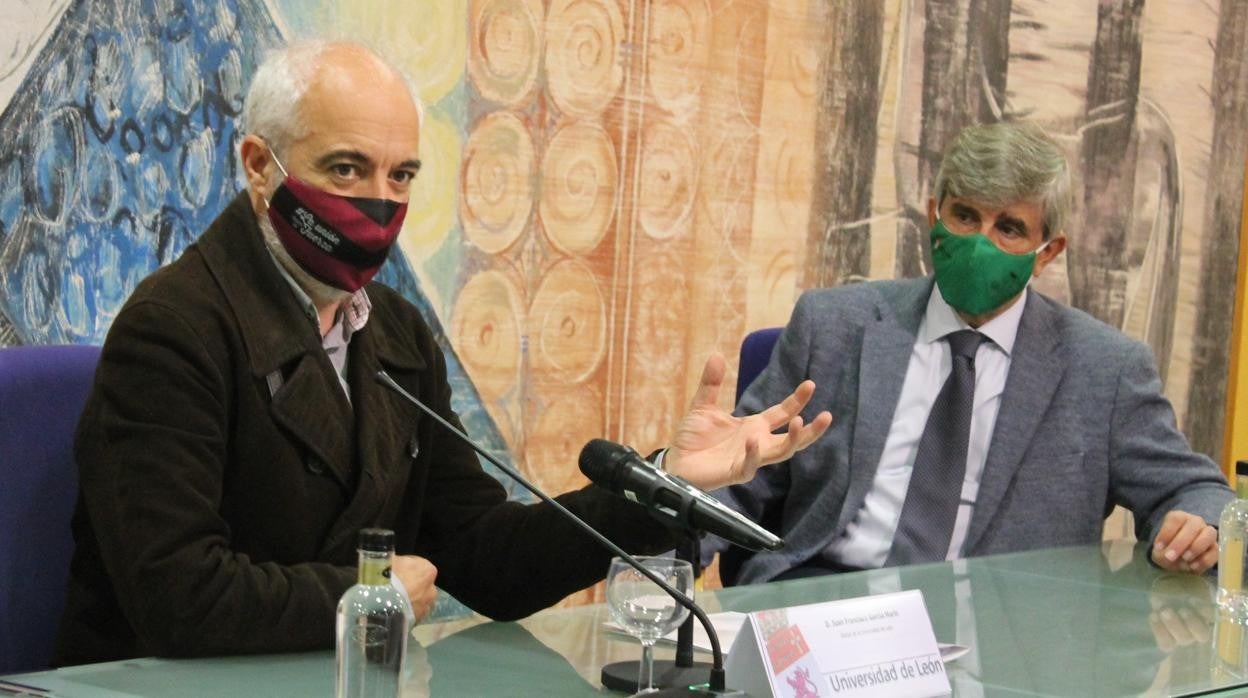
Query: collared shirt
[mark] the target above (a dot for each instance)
(869, 536)
(351, 318)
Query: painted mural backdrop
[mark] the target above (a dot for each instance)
(614, 189)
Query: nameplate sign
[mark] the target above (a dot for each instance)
(879, 646)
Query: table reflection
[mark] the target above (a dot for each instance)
(1085, 621)
(1093, 620)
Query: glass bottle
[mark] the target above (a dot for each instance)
(1232, 536)
(372, 625)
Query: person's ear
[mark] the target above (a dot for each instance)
(932, 210)
(1055, 246)
(257, 159)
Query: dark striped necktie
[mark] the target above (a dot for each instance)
(935, 489)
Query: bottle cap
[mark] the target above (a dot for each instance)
(376, 540)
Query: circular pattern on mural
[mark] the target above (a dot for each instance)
(730, 157)
(792, 166)
(579, 187)
(678, 51)
(485, 331)
(101, 186)
(563, 424)
(195, 169)
(51, 175)
(583, 65)
(668, 181)
(751, 48)
(496, 182)
(655, 375)
(651, 414)
(183, 76)
(567, 324)
(425, 38)
(803, 62)
(505, 48)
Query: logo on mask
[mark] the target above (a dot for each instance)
(340, 240)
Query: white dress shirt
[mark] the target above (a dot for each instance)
(869, 536)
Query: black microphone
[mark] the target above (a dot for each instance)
(620, 470)
(716, 683)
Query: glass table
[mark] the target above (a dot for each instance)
(1084, 621)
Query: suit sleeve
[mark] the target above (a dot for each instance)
(1153, 469)
(506, 559)
(153, 451)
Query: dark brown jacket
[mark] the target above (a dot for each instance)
(216, 518)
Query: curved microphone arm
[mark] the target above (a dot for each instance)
(717, 681)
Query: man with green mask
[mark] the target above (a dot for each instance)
(973, 415)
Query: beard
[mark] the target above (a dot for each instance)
(321, 293)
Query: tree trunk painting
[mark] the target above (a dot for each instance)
(839, 237)
(1098, 264)
(1220, 244)
(965, 51)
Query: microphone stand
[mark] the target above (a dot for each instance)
(678, 673)
(717, 678)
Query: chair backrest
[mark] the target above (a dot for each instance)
(42, 393)
(755, 353)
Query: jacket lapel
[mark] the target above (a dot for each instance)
(315, 412)
(887, 341)
(385, 425)
(281, 340)
(1035, 373)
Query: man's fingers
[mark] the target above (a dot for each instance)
(1170, 527)
(713, 372)
(815, 429)
(781, 446)
(796, 437)
(1192, 526)
(753, 459)
(777, 415)
(1203, 552)
(1207, 560)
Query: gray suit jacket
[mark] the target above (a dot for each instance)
(1083, 426)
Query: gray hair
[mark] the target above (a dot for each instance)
(1002, 163)
(271, 108)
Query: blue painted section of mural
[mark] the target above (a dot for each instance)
(119, 148)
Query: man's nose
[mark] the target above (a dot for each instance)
(377, 188)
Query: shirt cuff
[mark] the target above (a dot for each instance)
(656, 459)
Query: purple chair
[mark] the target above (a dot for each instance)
(42, 393)
(755, 353)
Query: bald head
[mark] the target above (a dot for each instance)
(276, 107)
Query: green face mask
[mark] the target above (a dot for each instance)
(974, 275)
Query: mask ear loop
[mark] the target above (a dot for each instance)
(279, 167)
(283, 169)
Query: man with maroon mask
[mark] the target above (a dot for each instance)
(235, 441)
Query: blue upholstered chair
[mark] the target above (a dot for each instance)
(755, 353)
(42, 392)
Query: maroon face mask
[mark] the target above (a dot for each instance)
(341, 240)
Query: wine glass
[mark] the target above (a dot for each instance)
(643, 609)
